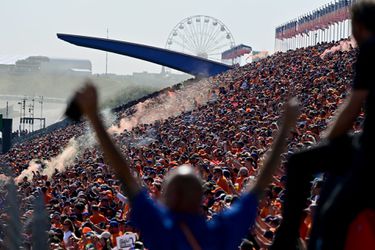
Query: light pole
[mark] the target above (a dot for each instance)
(20, 103)
(41, 111)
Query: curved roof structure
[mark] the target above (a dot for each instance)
(190, 64)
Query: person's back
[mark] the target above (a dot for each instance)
(364, 33)
(181, 230)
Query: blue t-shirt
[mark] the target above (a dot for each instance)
(160, 227)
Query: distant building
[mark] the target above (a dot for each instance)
(44, 64)
(146, 74)
(30, 64)
(5, 68)
(55, 65)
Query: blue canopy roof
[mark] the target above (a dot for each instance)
(193, 65)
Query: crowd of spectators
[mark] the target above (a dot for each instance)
(224, 139)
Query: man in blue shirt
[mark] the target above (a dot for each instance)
(179, 223)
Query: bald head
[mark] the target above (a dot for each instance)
(182, 190)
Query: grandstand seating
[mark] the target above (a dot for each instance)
(231, 131)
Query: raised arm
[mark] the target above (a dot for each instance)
(347, 115)
(234, 223)
(271, 163)
(87, 101)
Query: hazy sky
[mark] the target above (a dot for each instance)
(29, 27)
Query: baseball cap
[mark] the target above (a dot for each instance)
(85, 230)
(113, 223)
(105, 235)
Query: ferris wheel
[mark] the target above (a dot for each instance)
(202, 36)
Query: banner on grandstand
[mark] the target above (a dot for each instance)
(236, 52)
(321, 18)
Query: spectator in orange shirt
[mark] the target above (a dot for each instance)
(220, 179)
(46, 195)
(264, 206)
(115, 232)
(96, 216)
(242, 174)
(49, 188)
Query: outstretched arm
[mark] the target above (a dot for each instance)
(347, 114)
(272, 161)
(235, 222)
(87, 101)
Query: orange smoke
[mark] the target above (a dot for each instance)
(343, 46)
(169, 104)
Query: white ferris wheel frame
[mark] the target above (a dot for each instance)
(201, 35)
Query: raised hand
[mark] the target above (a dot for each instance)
(291, 112)
(87, 99)
(272, 160)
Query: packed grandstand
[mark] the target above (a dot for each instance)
(225, 122)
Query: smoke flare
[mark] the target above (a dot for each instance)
(343, 46)
(63, 160)
(169, 104)
(28, 172)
